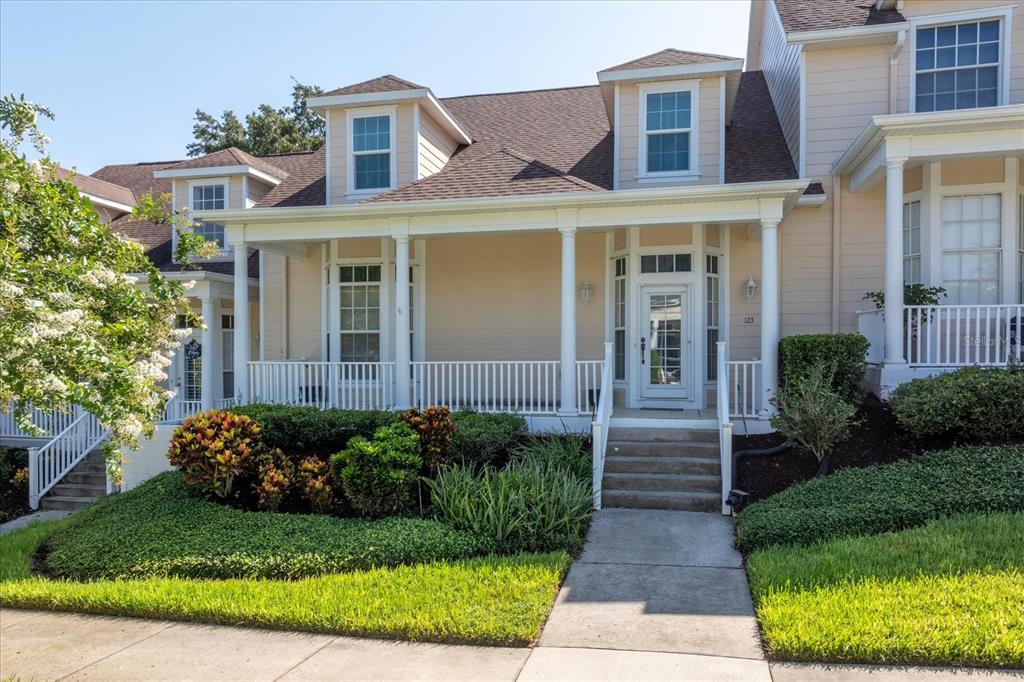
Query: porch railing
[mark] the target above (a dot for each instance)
(177, 409)
(743, 388)
(348, 385)
(601, 422)
(49, 464)
(50, 423)
(958, 335)
(523, 386)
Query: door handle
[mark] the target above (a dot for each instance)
(643, 347)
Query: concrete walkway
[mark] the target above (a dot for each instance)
(655, 596)
(22, 521)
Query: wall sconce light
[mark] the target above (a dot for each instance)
(586, 292)
(751, 288)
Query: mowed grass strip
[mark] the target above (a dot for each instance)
(948, 593)
(492, 600)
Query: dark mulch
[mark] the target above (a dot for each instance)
(877, 439)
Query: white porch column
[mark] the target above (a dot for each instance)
(894, 261)
(567, 358)
(403, 392)
(769, 312)
(206, 364)
(241, 322)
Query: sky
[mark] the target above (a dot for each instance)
(125, 78)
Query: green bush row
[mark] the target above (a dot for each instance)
(887, 498)
(972, 404)
(844, 353)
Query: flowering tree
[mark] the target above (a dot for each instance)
(85, 317)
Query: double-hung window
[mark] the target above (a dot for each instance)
(668, 135)
(620, 318)
(372, 152)
(210, 197)
(972, 248)
(360, 313)
(957, 65)
(227, 326)
(912, 242)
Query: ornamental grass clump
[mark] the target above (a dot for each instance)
(212, 449)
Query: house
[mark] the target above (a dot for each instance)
(593, 253)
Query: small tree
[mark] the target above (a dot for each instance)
(813, 414)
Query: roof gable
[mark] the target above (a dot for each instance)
(669, 57)
(232, 156)
(385, 83)
(815, 15)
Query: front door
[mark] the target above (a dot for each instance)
(664, 343)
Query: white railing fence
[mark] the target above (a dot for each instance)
(347, 385)
(177, 409)
(49, 464)
(744, 388)
(958, 335)
(523, 386)
(589, 382)
(724, 425)
(225, 404)
(51, 423)
(601, 422)
(871, 325)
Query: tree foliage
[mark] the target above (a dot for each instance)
(294, 128)
(85, 317)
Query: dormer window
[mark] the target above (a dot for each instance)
(957, 66)
(206, 195)
(668, 121)
(372, 159)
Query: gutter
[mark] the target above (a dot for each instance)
(838, 34)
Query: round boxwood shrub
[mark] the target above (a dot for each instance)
(379, 476)
(970, 405)
(844, 353)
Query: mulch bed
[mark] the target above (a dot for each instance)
(877, 439)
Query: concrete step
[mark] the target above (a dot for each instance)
(66, 489)
(656, 435)
(634, 448)
(669, 483)
(65, 502)
(77, 477)
(661, 465)
(676, 501)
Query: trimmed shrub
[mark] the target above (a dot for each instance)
(972, 405)
(213, 448)
(275, 475)
(314, 477)
(163, 529)
(483, 438)
(570, 452)
(845, 352)
(313, 431)
(379, 476)
(436, 430)
(812, 413)
(528, 506)
(887, 498)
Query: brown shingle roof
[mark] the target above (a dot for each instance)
(818, 15)
(755, 148)
(669, 57)
(138, 177)
(386, 83)
(98, 188)
(232, 156)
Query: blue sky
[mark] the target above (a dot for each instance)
(124, 79)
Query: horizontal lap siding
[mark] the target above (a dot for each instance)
(304, 304)
(273, 305)
(337, 151)
(781, 66)
(744, 263)
(435, 146)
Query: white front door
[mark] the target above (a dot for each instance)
(665, 357)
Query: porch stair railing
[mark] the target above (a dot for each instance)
(601, 423)
(52, 462)
(724, 423)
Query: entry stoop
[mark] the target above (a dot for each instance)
(662, 468)
(86, 483)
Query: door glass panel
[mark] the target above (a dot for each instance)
(666, 351)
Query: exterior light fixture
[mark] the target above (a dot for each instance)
(751, 288)
(586, 292)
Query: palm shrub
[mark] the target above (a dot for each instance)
(436, 430)
(379, 476)
(568, 451)
(214, 448)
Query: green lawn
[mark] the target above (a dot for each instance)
(949, 592)
(501, 600)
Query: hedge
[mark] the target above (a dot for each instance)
(310, 430)
(887, 498)
(972, 405)
(797, 354)
(162, 529)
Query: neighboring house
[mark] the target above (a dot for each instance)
(483, 250)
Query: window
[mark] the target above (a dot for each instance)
(211, 197)
(957, 66)
(669, 131)
(678, 262)
(619, 283)
(371, 152)
(227, 326)
(912, 242)
(971, 248)
(714, 304)
(360, 313)
(193, 370)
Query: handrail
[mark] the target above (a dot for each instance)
(52, 462)
(724, 425)
(600, 425)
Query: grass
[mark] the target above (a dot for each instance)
(497, 600)
(162, 529)
(950, 592)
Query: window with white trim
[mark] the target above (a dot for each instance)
(668, 133)
(371, 152)
(971, 248)
(667, 262)
(360, 312)
(211, 197)
(714, 304)
(227, 326)
(957, 66)
(619, 330)
(912, 242)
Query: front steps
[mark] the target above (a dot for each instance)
(86, 483)
(658, 468)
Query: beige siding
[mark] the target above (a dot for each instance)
(435, 147)
(291, 302)
(744, 263)
(275, 346)
(257, 190)
(338, 150)
(781, 66)
(709, 130)
(666, 235)
(181, 192)
(972, 171)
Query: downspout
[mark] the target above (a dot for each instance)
(894, 58)
(837, 191)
